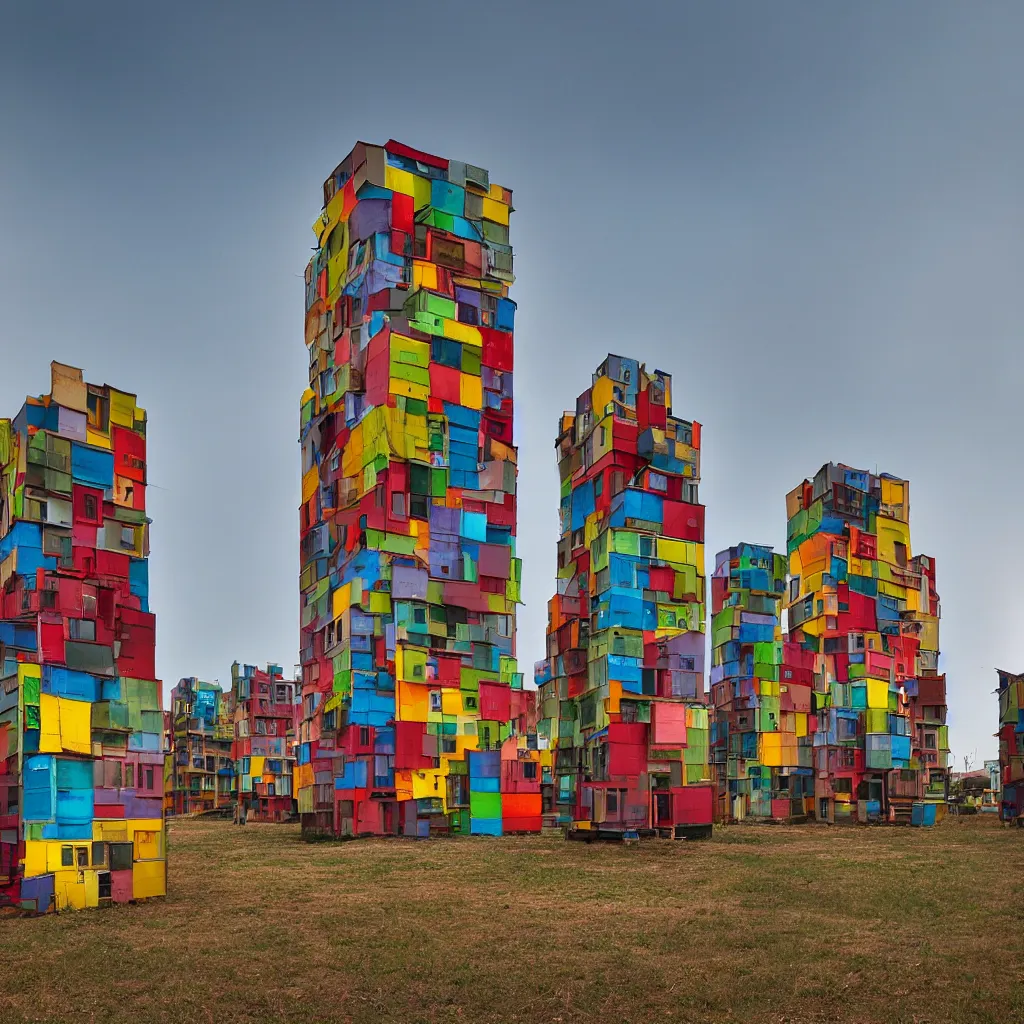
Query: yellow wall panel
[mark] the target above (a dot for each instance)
(493, 210)
(400, 181)
(149, 878)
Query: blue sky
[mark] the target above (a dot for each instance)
(810, 214)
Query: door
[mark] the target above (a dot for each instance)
(662, 809)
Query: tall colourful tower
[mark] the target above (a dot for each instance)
(410, 579)
(622, 689)
(81, 725)
(1011, 744)
(867, 610)
(762, 735)
(263, 749)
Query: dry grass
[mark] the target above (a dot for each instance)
(758, 925)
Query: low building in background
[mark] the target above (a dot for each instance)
(167, 746)
(203, 732)
(763, 732)
(975, 792)
(865, 612)
(623, 702)
(263, 750)
(81, 721)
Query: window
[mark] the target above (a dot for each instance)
(121, 856)
(96, 405)
(364, 736)
(81, 856)
(67, 857)
(435, 700)
(398, 504)
(128, 537)
(82, 629)
(447, 253)
(448, 745)
(51, 543)
(99, 855)
(149, 774)
(129, 776)
(529, 769)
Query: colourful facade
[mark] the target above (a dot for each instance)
(203, 731)
(81, 751)
(763, 733)
(1011, 744)
(409, 579)
(265, 725)
(623, 703)
(866, 613)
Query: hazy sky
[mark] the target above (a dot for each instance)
(809, 213)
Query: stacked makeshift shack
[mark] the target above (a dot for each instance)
(81, 753)
(1011, 744)
(263, 750)
(409, 573)
(865, 611)
(622, 690)
(762, 735)
(202, 732)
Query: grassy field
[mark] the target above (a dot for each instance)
(760, 924)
